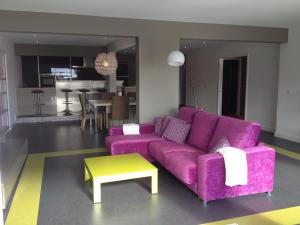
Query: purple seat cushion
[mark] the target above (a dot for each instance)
(159, 149)
(187, 113)
(203, 127)
(183, 165)
(240, 133)
(122, 144)
(177, 131)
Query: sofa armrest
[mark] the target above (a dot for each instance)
(211, 174)
(145, 128)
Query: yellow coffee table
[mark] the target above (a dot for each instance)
(106, 169)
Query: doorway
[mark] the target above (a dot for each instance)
(182, 85)
(232, 87)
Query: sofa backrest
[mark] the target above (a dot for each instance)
(202, 130)
(187, 113)
(240, 133)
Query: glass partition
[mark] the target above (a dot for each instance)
(4, 116)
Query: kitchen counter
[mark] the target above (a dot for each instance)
(53, 98)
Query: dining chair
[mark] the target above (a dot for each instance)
(86, 114)
(131, 93)
(119, 109)
(106, 95)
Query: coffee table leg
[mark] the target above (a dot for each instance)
(97, 191)
(154, 183)
(86, 174)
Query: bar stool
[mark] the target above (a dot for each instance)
(38, 104)
(67, 111)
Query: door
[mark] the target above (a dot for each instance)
(233, 79)
(182, 85)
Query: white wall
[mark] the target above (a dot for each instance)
(14, 76)
(288, 107)
(261, 93)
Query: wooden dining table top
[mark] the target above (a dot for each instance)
(100, 102)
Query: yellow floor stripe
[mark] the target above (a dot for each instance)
(285, 152)
(25, 205)
(288, 216)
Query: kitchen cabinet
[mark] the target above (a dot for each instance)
(30, 71)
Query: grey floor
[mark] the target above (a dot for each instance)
(58, 136)
(66, 199)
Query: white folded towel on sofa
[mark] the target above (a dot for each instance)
(235, 165)
(130, 129)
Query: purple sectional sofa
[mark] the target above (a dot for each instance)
(192, 163)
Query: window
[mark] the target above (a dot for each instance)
(122, 73)
(64, 73)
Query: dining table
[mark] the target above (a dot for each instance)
(95, 104)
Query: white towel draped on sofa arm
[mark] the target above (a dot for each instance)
(236, 167)
(130, 129)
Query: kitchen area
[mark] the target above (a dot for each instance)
(57, 68)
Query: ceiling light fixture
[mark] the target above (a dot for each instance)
(106, 63)
(176, 58)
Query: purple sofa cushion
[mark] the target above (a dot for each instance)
(177, 131)
(158, 125)
(240, 133)
(222, 143)
(159, 149)
(202, 129)
(183, 165)
(187, 113)
(122, 144)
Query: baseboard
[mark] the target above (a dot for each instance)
(287, 137)
(50, 118)
(269, 129)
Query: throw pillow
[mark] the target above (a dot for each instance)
(222, 143)
(158, 125)
(177, 131)
(166, 121)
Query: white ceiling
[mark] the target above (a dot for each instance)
(279, 13)
(59, 39)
